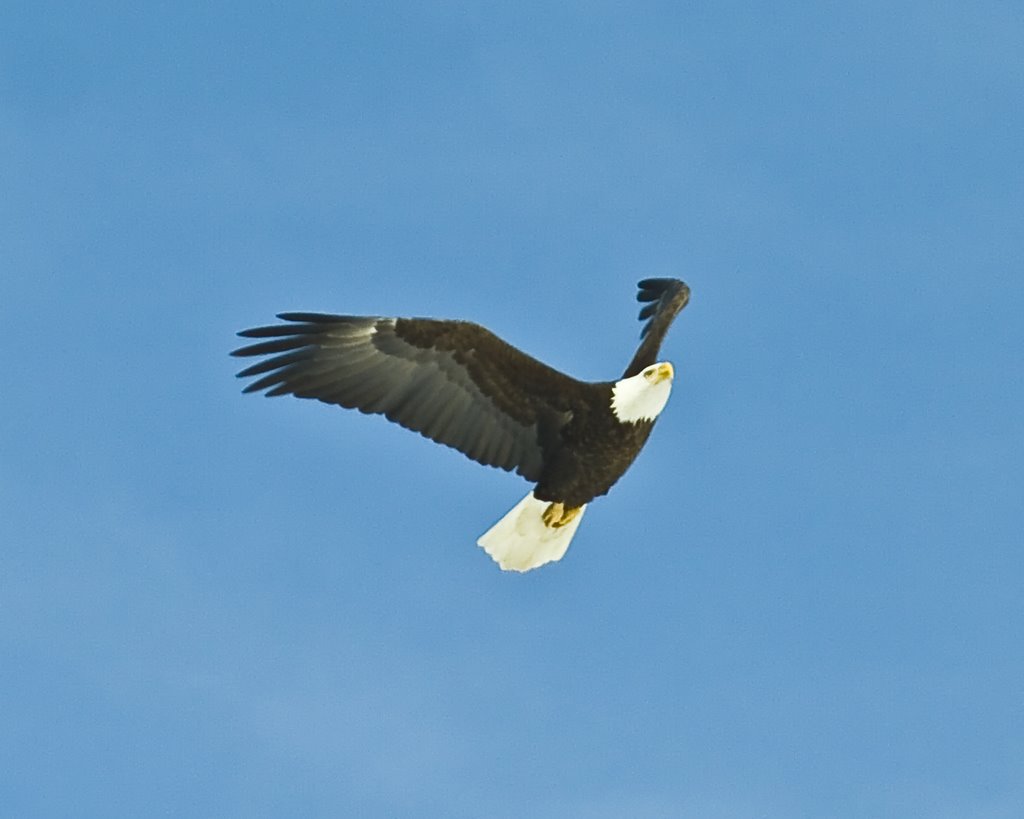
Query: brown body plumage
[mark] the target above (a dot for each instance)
(460, 385)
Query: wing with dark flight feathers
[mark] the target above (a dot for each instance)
(665, 298)
(452, 381)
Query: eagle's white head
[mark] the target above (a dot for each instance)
(643, 396)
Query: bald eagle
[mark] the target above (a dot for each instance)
(460, 385)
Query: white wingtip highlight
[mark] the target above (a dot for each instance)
(521, 541)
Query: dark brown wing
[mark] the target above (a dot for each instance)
(665, 297)
(452, 381)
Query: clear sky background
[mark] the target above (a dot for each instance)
(805, 599)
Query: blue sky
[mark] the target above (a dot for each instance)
(805, 599)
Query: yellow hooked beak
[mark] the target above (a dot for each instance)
(661, 372)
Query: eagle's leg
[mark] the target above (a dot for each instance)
(557, 515)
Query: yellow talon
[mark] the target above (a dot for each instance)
(557, 515)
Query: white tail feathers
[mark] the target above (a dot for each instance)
(521, 540)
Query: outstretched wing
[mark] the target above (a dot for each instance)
(665, 297)
(452, 381)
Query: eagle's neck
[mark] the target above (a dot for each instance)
(643, 396)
